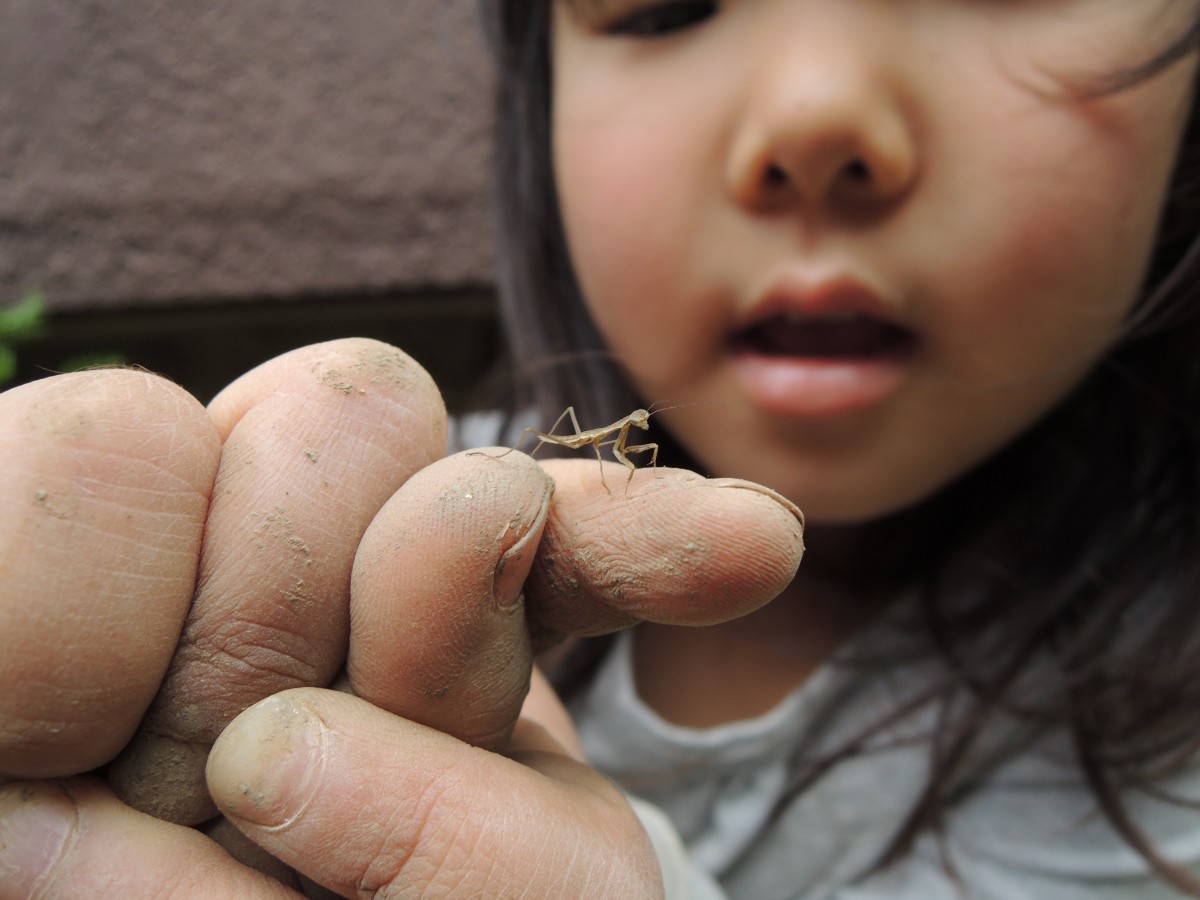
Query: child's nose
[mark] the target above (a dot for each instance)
(823, 128)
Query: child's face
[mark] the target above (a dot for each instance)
(870, 236)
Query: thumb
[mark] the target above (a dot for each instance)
(418, 812)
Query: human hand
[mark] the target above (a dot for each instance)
(455, 670)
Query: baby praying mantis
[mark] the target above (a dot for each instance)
(595, 437)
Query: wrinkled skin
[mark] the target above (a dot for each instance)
(180, 587)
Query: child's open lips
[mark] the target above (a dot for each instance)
(844, 336)
(821, 363)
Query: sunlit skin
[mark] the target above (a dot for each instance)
(923, 160)
(923, 150)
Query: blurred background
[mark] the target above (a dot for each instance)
(195, 188)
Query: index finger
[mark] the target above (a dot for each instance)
(675, 548)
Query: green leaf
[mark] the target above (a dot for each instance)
(8, 365)
(23, 319)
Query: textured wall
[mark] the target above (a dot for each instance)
(159, 152)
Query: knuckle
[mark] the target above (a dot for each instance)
(253, 655)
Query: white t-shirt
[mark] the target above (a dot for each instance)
(1024, 828)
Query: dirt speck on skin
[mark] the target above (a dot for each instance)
(191, 718)
(617, 583)
(451, 501)
(557, 577)
(312, 455)
(276, 529)
(337, 379)
(372, 364)
(690, 556)
(58, 506)
(679, 565)
(257, 799)
(388, 366)
(300, 597)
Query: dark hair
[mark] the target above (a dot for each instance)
(1090, 553)
(556, 350)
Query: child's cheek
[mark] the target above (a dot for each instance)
(1055, 259)
(630, 237)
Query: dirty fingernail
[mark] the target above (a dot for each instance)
(265, 765)
(509, 577)
(36, 821)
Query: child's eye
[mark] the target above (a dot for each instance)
(659, 19)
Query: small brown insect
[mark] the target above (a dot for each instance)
(595, 437)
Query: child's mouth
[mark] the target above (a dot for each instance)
(819, 365)
(851, 336)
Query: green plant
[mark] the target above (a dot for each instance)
(27, 319)
(19, 322)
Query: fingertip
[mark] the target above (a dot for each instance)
(761, 490)
(352, 369)
(775, 523)
(265, 767)
(525, 532)
(107, 411)
(678, 548)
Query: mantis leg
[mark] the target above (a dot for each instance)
(642, 448)
(636, 448)
(549, 437)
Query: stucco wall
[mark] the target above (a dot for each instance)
(156, 153)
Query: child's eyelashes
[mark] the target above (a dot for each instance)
(651, 20)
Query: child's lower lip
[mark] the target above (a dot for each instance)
(813, 386)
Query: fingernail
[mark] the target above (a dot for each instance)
(264, 766)
(759, 489)
(36, 821)
(509, 577)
